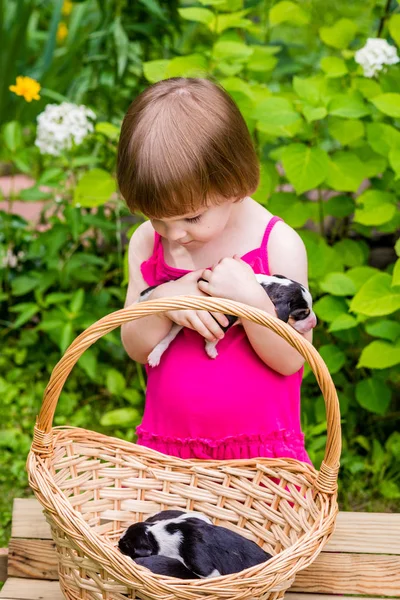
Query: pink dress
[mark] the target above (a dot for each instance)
(233, 406)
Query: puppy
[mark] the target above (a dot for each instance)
(204, 549)
(163, 565)
(292, 301)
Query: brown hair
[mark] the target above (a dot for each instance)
(183, 141)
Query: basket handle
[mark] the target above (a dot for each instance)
(43, 436)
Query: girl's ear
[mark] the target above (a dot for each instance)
(283, 310)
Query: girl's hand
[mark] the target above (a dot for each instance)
(198, 320)
(233, 279)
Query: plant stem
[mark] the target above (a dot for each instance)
(383, 18)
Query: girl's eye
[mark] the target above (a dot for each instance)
(193, 219)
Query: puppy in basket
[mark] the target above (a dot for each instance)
(187, 545)
(292, 301)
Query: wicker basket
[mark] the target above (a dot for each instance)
(93, 486)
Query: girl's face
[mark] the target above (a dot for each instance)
(197, 228)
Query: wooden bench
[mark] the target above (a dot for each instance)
(361, 559)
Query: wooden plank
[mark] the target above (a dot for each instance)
(351, 574)
(375, 533)
(30, 589)
(3, 563)
(28, 520)
(36, 559)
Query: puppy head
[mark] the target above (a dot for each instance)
(293, 303)
(138, 541)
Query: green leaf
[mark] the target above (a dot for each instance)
(121, 41)
(288, 12)
(382, 138)
(394, 28)
(338, 284)
(23, 284)
(88, 362)
(231, 50)
(376, 297)
(292, 210)
(94, 188)
(350, 106)
(314, 114)
(77, 301)
(305, 167)
(360, 275)
(394, 160)
(329, 308)
(154, 8)
(342, 323)
(115, 382)
(268, 181)
(155, 70)
(346, 131)
(396, 274)
(339, 35)
(262, 59)
(380, 355)
(339, 207)
(397, 247)
(109, 130)
(345, 172)
(200, 15)
(353, 253)
(378, 208)
(367, 87)
(12, 135)
(121, 417)
(227, 21)
(276, 111)
(333, 357)
(389, 489)
(389, 104)
(308, 89)
(192, 65)
(373, 395)
(388, 330)
(66, 336)
(30, 309)
(334, 66)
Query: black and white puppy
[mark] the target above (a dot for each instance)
(292, 301)
(163, 565)
(204, 549)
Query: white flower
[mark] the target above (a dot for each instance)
(375, 54)
(62, 125)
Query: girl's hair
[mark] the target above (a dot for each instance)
(183, 143)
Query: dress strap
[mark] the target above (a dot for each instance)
(264, 243)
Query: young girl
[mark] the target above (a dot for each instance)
(187, 162)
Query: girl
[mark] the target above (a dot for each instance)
(186, 160)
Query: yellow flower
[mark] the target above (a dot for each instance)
(67, 8)
(62, 32)
(26, 87)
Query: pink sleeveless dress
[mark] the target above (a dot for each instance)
(233, 406)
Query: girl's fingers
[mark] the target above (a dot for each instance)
(203, 286)
(222, 320)
(202, 329)
(211, 324)
(206, 274)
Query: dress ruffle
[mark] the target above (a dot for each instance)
(277, 444)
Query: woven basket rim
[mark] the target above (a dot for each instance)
(271, 566)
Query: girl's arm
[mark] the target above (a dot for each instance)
(234, 279)
(141, 336)
(287, 256)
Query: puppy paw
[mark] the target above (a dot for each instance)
(211, 349)
(153, 360)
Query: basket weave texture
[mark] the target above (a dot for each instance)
(93, 486)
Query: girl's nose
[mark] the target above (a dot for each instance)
(175, 234)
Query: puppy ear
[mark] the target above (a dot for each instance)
(283, 310)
